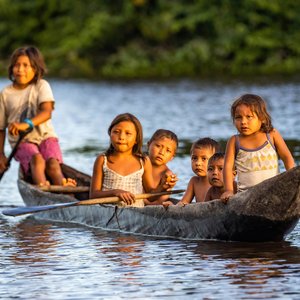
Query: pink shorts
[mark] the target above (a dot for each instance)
(48, 148)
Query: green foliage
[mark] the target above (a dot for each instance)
(155, 38)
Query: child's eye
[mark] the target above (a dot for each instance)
(209, 169)
(220, 168)
(249, 117)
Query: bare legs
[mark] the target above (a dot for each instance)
(40, 168)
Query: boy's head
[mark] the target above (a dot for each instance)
(201, 151)
(215, 169)
(162, 146)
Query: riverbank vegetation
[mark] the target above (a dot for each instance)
(155, 38)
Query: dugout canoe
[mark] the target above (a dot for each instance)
(267, 212)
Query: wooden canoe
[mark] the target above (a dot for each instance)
(266, 212)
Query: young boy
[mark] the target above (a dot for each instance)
(215, 177)
(162, 148)
(198, 185)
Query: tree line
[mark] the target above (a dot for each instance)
(155, 38)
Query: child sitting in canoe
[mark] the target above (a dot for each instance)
(25, 104)
(254, 150)
(162, 148)
(215, 176)
(123, 170)
(198, 185)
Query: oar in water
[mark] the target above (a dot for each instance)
(107, 200)
(14, 150)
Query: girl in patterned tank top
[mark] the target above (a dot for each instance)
(254, 150)
(123, 170)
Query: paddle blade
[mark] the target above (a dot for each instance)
(35, 209)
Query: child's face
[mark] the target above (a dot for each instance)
(23, 71)
(246, 121)
(215, 172)
(123, 136)
(161, 151)
(199, 158)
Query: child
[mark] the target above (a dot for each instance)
(28, 103)
(123, 170)
(198, 185)
(162, 148)
(254, 150)
(215, 176)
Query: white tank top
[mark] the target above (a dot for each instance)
(132, 183)
(255, 165)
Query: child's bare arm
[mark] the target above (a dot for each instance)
(44, 114)
(282, 150)
(189, 193)
(227, 170)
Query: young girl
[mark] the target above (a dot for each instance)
(162, 148)
(123, 170)
(28, 103)
(254, 150)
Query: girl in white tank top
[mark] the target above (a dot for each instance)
(124, 171)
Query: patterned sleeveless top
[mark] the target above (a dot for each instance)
(255, 165)
(132, 183)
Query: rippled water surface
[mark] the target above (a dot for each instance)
(43, 260)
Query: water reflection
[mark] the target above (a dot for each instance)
(34, 242)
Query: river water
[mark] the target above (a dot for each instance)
(44, 260)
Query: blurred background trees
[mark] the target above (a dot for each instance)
(155, 38)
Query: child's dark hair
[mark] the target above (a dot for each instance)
(206, 143)
(161, 133)
(36, 61)
(257, 105)
(137, 148)
(216, 156)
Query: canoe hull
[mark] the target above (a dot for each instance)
(255, 215)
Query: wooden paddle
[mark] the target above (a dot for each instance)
(107, 200)
(64, 189)
(14, 150)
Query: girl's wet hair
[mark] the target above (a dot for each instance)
(36, 61)
(206, 143)
(257, 105)
(137, 148)
(164, 133)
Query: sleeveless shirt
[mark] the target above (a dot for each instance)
(255, 165)
(132, 183)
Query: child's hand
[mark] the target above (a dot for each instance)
(15, 127)
(3, 162)
(125, 196)
(170, 181)
(167, 203)
(226, 196)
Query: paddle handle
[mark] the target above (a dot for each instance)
(114, 199)
(64, 189)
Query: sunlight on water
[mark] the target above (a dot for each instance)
(43, 260)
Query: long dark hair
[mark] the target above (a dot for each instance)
(258, 105)
(137, 148)
(36, 61)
